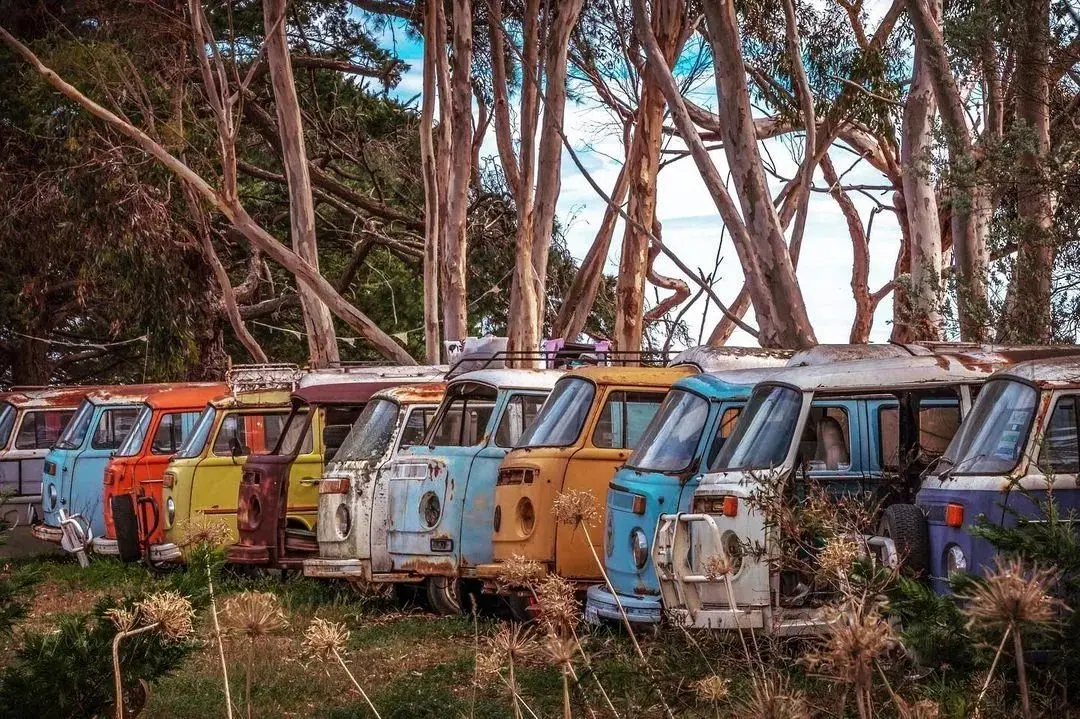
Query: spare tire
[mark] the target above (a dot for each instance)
(127, 527)
(905, 524)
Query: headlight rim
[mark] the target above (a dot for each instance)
(639, 543)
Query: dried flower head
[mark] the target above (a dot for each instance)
(1012, 595)
(170, 611)
(857, 637)
(557, 603)
(123, 619)
(254, 614)
(559, 650)
(199, 530)
(488, 665)
(718, 565)
(774, 698)
(712, 689)
(520, 572)
(516, 643)
(837, 556)
(922, 709)
(575, 507)
(324, 639)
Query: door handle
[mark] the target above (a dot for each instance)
(310, 481)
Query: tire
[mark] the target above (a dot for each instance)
(518, 607)
(906, 525)
(127, 528)
(445, 596)
(409, 595)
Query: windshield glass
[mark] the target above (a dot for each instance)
(196, 441)
(563, 415)
(75, 432)
(464, 416)
(372, 432)
(993, 436)
(673, 435)
(7, 421)
(296, 432)
(134, 441)
(764, 432)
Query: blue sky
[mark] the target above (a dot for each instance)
(692, 226)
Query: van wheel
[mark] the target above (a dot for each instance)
(444, 595)
(906, 525)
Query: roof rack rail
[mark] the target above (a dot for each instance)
(263, 377)
(566, 357)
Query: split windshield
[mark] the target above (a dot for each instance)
(764, 433)
(372, 432)
(77, 427)
(7, 421)
(560, 421)
(135, 439)
(673, 435)
(196, 441)
(464, 417)
(992, 438)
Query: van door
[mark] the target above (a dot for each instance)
(622, 420)
(87, 478)
(831, 449)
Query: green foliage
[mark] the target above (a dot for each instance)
(67, 673)
(934, 631)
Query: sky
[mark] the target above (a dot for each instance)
(691, 225)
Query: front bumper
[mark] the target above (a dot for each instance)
(107, 547)
(489, 571)
(46, 533)
(167, 552)
(338, 569)
(601, 604)
(252, 554)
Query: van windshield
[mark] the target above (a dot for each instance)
(7, 421)
(134, 441)
(464, 416)
(992, 438)
(563, 415)
(196, 441)
(77, 426)
(764, 431)
(372, 432)
(673, 435)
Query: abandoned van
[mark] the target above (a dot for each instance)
(31, 420)
(284, 478)
(592, 422)
(352, 490)
(201, 483)
(1014, 452)
(71, 485)
(867, 426)
(132, 483)
(438, 513)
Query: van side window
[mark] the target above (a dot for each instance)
(40, 429)
(170, 432)
(520, 412)
(624, 419)
(826, 441)
(724, 428)
(113, 428)
(336, 425)
(937, 425)
(248, 433)
(416, 427)
(463, 423)
(1059, 450)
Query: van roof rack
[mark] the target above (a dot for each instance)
(263, 377)
(566, 357)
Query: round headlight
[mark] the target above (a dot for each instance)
(955, 561)
(170, 510)
(342, 520)
(430, 509)
(639, 545)
(733, 548)
(609, 540)
(52, 496)
(496, 521)
(526, 516)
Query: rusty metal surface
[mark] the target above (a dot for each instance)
(1055, 373)
(126, 394)
(248, 400)
(186, 395)
(715, 359)
(49, 398)
(634, 376)
(420, 393)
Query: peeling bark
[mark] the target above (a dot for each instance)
(680, 291)
(432, 340)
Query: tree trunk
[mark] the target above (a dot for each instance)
(322, 340)
(726, 327)
(860, 256)
(920, 200)
(680, 291)
(432, 342)
(970, 195)
(643, 165)
(1027, 313)
(455, 311)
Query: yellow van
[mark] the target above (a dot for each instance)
(586, 430)
(202, 481)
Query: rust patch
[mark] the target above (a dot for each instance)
(430, 566)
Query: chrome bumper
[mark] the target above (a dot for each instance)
(601, 605)
(338, 569)
(106, 547)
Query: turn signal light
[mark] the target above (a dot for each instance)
(639, 504)
(954, 515)
(337, 485)
(168, 480)
(731, 506)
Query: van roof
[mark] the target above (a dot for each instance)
(713, 359)
(730, 383)
(47, 397)
(635, 375)
(512, 378)
(331, 387)
(422, 393)
(266, 398)
(969, 352)
(880, 375)
(182, 396)
(126, 393)
(1053, 373)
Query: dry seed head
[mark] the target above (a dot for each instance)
(559, 650)
(324, 640)
(516, 643)
(123, 619)
(520, 572)
(488, 665)
(774, 698)
(1011, 596)
(855, 640)
(557, 603)
(574, 507)
(170, 611)
(718, 565)
(254, 614)
(712, 689)
(838, 555)
(201, 531)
